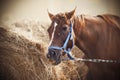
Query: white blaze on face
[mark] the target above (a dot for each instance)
(55, 24)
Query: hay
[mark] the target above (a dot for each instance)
(20, 58)
(23, 57)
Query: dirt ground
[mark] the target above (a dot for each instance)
(23, 48)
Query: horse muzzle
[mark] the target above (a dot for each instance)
(54, 56)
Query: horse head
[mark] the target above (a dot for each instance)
(61, 36)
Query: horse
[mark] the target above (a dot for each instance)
(97, 36)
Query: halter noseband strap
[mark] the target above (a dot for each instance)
(64, 47)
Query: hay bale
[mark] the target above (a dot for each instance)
(21, 59)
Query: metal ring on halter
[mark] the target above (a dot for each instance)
(69, 37)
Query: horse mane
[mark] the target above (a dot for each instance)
(108, 18)
(111, 19)
(81, 19)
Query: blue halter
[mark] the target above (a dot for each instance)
(64, 47)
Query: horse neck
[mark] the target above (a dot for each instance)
(96, 40)
(81, 40)
(77, 28)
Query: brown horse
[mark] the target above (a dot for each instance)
(98, 37)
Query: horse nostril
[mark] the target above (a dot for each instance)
(52, 53)
(48, 55)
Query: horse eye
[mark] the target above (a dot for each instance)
(62, 17)
(65, 28)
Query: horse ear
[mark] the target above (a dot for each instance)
(50, 15)
(69, 15)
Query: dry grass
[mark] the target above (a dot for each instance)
(23, 48)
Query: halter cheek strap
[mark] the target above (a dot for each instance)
(64, 47)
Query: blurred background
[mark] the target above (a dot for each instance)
(14, 10)
(25, 45)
